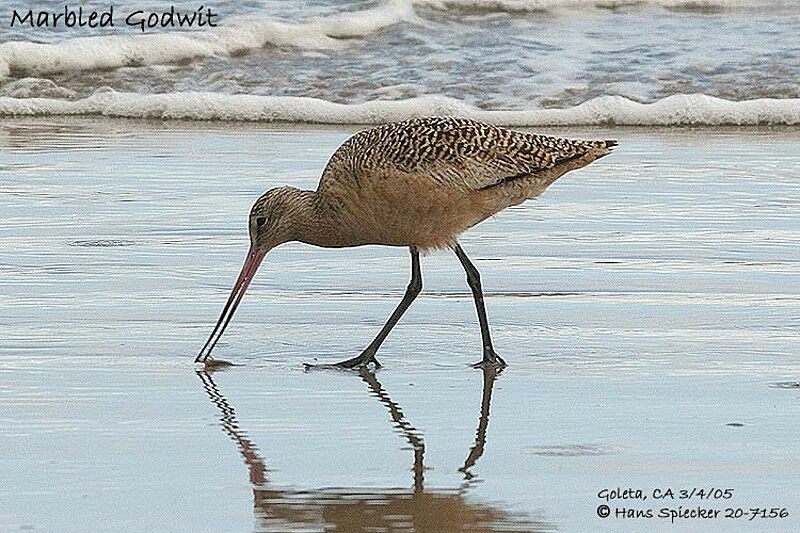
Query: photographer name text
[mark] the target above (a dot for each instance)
(624, 503)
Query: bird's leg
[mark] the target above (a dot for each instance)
(414, 288)
(490, 358)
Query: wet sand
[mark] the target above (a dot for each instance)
(647, 305)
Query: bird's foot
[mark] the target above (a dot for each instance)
(354, 363)
(490, 360)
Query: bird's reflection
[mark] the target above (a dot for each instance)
(475, 453)
(415, 509)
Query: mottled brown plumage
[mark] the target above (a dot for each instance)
(418, 183)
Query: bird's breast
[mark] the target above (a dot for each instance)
(407, 211)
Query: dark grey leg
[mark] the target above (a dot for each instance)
(490, 358)
(413, 289)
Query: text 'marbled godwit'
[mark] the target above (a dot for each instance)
(418, 183)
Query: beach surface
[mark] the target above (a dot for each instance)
(648, 307)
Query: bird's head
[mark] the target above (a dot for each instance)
(275, 218)
(272, 218)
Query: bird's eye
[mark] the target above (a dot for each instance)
(260, 221)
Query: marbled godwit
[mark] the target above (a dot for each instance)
(418, 183)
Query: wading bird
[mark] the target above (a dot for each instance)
(418, 183)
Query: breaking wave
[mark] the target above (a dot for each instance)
(237, 35)
(247, 33)
(532, 6)
(677, 110)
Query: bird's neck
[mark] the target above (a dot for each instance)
(314, 222)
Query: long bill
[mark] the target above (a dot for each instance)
(251, 263)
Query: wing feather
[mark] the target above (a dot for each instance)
(458, 153)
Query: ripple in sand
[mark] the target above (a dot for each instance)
(573, 450)
(786, 385)
(103, 243)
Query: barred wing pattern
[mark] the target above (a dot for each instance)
(458, 153)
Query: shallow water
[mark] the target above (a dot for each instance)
(648, 306)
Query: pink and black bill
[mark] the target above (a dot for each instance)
(251, 263)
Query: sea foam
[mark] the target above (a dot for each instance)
(677, 110)
(247, 33)
(236, 36)
(532, 6)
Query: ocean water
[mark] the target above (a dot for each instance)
(647, 305)
(521, 62)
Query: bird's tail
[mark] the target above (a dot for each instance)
(536, 184)
(605, 146)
